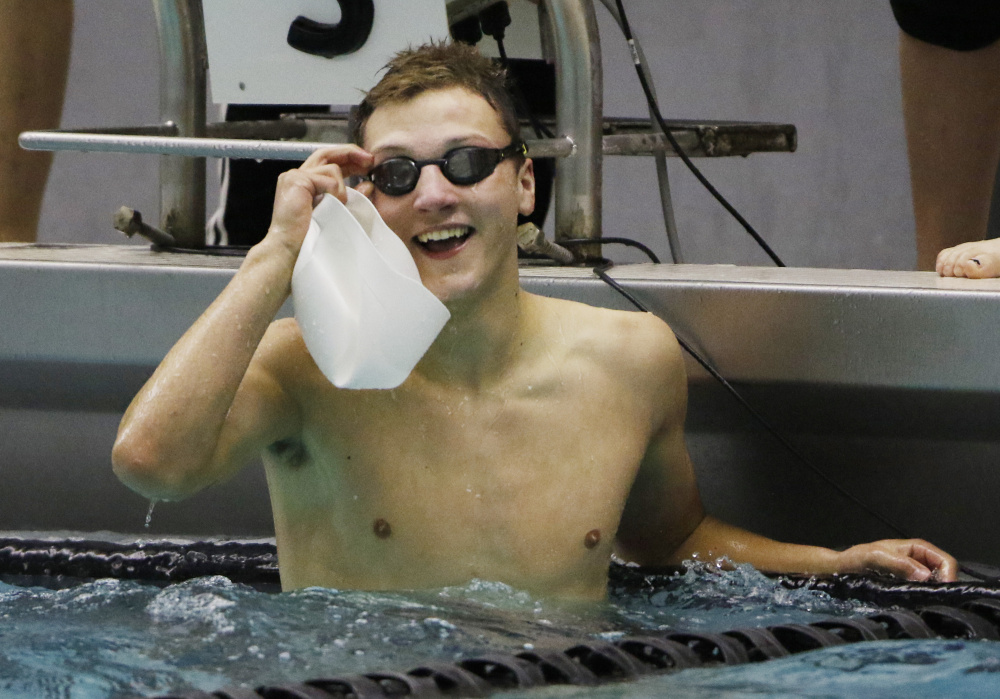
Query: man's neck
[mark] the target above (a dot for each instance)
(482, 340)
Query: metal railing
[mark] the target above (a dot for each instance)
(584, 136)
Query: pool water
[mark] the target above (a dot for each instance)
(115, 638)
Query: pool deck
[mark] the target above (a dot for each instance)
(125, 306)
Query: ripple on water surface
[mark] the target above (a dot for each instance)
(112, 638)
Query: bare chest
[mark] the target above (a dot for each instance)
(522, 485)
(523, 450)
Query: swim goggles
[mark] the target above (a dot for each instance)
(462, 166)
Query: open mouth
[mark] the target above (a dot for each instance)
(445, 239)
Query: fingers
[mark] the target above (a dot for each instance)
(982, 266)
(314, 181)
(366, 188)
(327, 180)
(298, 191)
(326, 169)
(943, 565)
(351, 159)
(323, 172)
(911, 559)
(976, 260)
(888, 558)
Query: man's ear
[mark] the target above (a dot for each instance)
(526, 185)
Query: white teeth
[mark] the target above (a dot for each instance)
(442, 234)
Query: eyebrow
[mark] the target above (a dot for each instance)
(393, 150)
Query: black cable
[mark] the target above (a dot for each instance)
(216, 250)
(620, 241)
(601, 272)
(540, 129)
(654, 107)
(494, 21)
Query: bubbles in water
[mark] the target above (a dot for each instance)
(149, 513)
(187, 608)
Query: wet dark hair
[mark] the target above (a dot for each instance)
(439, 66)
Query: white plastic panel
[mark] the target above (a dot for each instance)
(250, 61)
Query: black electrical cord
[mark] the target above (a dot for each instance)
(493, 21)
(601, 271)
(619, 241)
(655, 109)
(213, 250)
(540, 129)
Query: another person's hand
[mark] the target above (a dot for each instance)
(911, 559)
(976, 260)
(301, 189)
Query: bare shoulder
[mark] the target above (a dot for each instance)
(637, 346)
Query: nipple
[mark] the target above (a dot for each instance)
(382, 529)
(592, 539)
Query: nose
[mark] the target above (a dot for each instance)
(433, 191)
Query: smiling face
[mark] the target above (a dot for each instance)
(463, 238)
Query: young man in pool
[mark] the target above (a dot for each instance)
(534, 439)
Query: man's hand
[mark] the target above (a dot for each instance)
(912, 559)
(301, 189)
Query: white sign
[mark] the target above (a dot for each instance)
(251, 61)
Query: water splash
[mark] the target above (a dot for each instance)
(711, 598)
(121, 638)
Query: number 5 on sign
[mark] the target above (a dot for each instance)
(310, 51)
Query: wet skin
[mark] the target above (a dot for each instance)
(429, 126)
(515, 439)
(535, 437)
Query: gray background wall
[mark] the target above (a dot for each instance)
(829, 67)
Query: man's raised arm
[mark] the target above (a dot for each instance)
(211, 405)
(664, 522)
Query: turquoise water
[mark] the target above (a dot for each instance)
(113, 638)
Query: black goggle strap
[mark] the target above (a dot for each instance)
(514, 149)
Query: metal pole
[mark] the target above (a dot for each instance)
(579, 111)
(662, 176)
(219, 147)
(183, 64)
